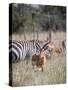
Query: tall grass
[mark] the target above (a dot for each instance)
(54, 70)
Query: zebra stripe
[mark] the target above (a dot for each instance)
(15, 50)
(19, 50)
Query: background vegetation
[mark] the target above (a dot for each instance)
(29, 18)
(38, 22)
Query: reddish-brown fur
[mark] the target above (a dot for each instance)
(55, 50)
(39, 60)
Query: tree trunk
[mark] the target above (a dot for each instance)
(37, 36)
(49, 27)
(24, 36)
(50, 35)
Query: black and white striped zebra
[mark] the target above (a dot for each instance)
(19, 50)
(15, 50)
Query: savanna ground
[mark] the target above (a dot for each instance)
(54, 69)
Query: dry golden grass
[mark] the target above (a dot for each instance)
(54, 70)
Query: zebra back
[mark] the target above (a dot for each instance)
(19, 50)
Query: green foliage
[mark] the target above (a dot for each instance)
(38, 18)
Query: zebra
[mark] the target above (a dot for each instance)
(15, 50)
(24, 49)
(21, 49)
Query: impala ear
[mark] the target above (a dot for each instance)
(45, 45)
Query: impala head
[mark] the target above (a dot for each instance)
(40, 48)
(42, 51)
